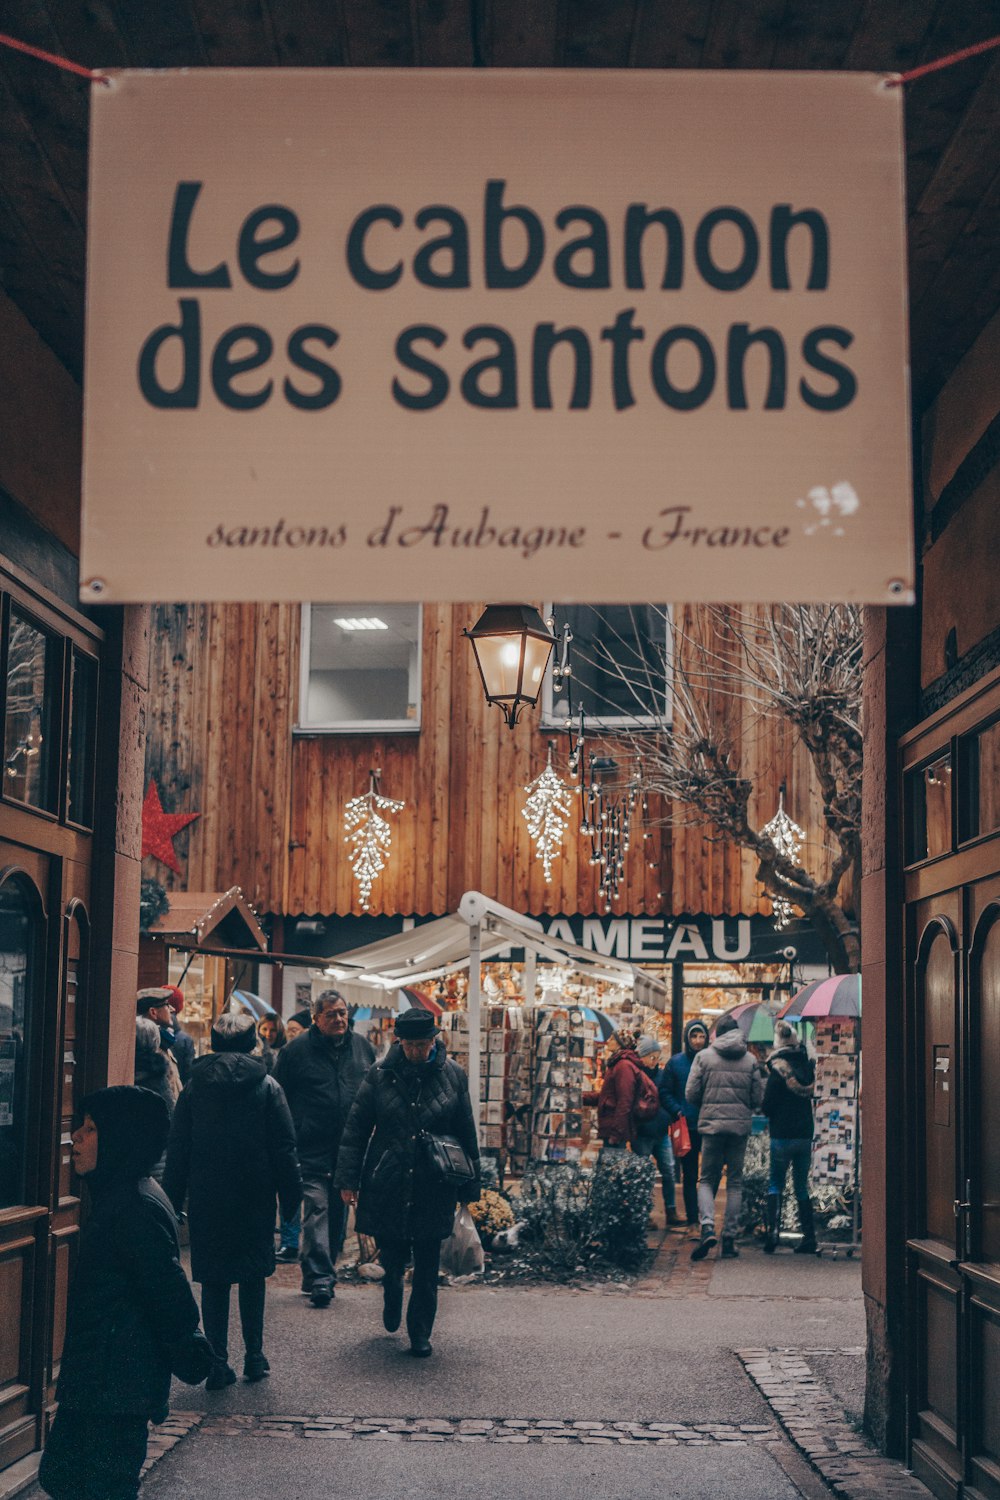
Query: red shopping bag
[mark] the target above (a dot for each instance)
(680, 1137)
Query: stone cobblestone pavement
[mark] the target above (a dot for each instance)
(816, 1424)
(168, 1434)
(486, 1430)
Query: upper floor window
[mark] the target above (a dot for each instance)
(49, 676)
(31, 713)
(361, 668)
(619, 656)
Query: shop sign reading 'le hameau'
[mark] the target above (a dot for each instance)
(466, 335)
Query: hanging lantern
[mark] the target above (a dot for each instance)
(512, 646)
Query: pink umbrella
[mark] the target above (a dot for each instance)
(840, 995)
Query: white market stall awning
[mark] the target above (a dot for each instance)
(480, 929)
(444, 946)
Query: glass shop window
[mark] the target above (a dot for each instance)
(361, 668)
(619, 666)
(928, 810)
(80, 750)
(18, 947)
(31, 750)
(979, 784)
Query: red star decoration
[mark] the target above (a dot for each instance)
(159, 829)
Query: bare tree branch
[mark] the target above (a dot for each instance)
(731, 670)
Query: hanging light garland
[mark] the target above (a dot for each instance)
(788, 838)
(547, 813)
(607, 808)
(369, 834)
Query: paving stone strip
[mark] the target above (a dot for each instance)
(169, 1433)
(487, 1430)
(816, 1423)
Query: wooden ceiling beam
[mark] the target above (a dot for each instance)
(379, 33)
(236, 33)
(743, 33)
(27, 280)
(444, 32)
(88, 34)
(960, 299)
(817, 36)
(523, 33)
(890, 35)
(164, 34)
(670, 36)
(961, 179)
(598, 34)
(308, 33)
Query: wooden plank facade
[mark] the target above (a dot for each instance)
(222, 742)
(72, 684)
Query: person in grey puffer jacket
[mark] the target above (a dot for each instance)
(727, 1088)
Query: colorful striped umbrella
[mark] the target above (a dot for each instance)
(755, 1018)
(411, 999)
(840, 995)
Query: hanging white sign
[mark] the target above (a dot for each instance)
(455, 335)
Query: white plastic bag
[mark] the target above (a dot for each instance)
(462, 1251)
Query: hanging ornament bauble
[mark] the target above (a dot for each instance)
(547, 813)
(369, 835)
(788, 838)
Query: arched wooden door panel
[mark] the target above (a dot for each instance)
(23, 1195)
(981, 1267)
(937, 1300)
(65, 1228)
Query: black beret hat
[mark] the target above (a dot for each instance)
(416, 1025)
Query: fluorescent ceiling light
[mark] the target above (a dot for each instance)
(362, 622)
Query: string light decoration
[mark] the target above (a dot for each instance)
(547, 813)
(607, 806)
(369, 834)
(788, 838)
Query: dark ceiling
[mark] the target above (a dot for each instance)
(953, 166)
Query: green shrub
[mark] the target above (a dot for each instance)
(575, 1217)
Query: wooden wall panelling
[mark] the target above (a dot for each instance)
(466, 731)
(439, 761)
(420, 766)
(229, 753)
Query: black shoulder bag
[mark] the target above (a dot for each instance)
(448, 1161)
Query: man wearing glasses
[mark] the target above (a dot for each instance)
(320, 1072)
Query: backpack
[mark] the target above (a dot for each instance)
(646, 1105)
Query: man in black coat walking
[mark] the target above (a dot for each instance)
(788, 1104)
(384, 1168)
(132, 1316)
(321, 1072)
(232, 1152)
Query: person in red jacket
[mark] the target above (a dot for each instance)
(617, 1099)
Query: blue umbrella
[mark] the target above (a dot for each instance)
(605, 1025)
(257, 1007)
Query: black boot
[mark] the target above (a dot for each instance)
(707, 1242)
(771, 1235)
(807, 1245)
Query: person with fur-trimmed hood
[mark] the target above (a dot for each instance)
(133, 1320)
(791, 1077)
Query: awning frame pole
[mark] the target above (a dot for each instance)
(530, 966)
(475, 1020)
